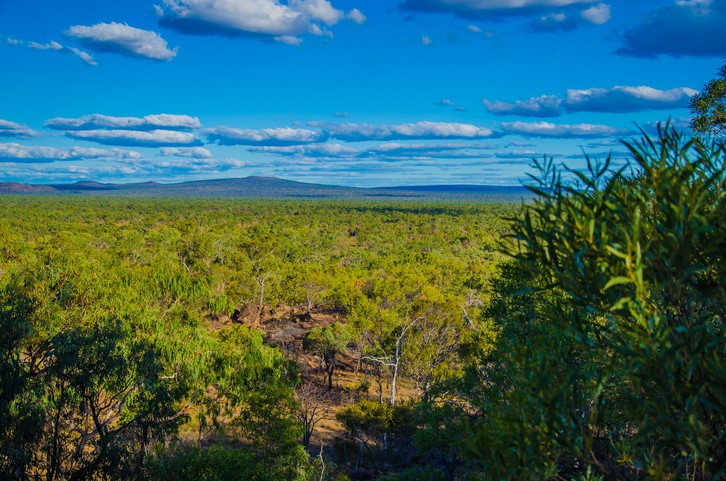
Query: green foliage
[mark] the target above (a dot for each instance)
(85, 395)
(442, 424)
(133, 298)
(366, 418)
(416, 473)
(327, 342)
(218, 463)
(382, 432)
(611, 347)
(709, 106)
(85, 401)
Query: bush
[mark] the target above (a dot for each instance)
(611, 346)
(217, 463)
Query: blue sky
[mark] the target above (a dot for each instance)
(347, 92)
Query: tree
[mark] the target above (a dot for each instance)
(81, 403)
(327, 342)
(611, 349)
(709, 106)
(107, 401)
(436, 342)
(313, 404)
(391, 351)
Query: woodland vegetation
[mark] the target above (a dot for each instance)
(579, 336)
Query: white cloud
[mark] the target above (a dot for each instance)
(518, 154)
(604, 143)
(289, 39)
(547, 129)
(311, 150)
(426, 40)
(597, 14)
(403, 151)
(117, 171)
(14, 129)
(701, 7)
(356, 16)
(187, 152)
(509, 4)
(320, 10)
(557, 17)
(17, 153)
(682, 124)
(140, 138)
(270, 137)
(255, 16)
(54, 47)
(618, 99)
(151, 122)
(476, 29)
(389, 152)
(554, 22)
(85, 56)
(486, 9)
(544, 15)
(417, 130)
(123, 39)
(271, 18)
(627, 99)
(194, 165)
(542, 106)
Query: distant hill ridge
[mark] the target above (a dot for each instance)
(268, 187)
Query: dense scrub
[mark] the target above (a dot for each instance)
(112, 365)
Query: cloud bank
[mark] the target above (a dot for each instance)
(14, 129)
(159, 130)
(413, 131)
(562, 131)
(618, 99)
(310, 142)
(542, 106)
(621, 99)
(137, 138)
(17, 153)
(386, 152)
(186, 152)
(283, 136)
(544, 15)
(148, 122)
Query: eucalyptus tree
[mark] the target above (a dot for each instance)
(610, 343)
(709, 107)
(327, 342)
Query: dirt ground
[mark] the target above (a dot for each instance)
(286, 327)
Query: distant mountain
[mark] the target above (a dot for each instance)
(270, 187)
(18, 188)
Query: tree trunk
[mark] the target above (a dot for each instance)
(331, 369)
(396, 362)
(306, 436)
